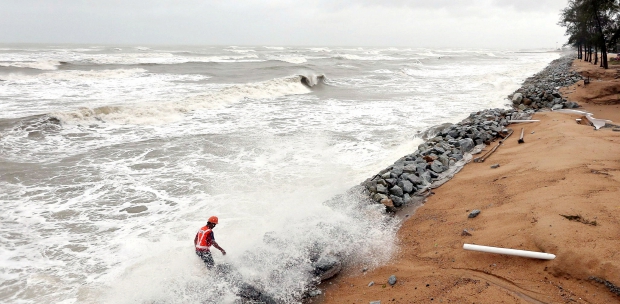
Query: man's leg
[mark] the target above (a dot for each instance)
(206, 257)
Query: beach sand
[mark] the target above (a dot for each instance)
(563, 168)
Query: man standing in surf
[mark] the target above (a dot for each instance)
(203, 241)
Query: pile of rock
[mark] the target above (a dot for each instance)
(541, 90)
(413, 174)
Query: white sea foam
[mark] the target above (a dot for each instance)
(364, 58)
(171, 111)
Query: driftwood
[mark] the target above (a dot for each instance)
(486, 155)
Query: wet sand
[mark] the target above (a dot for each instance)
(563, 168)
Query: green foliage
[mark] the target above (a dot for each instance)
(592, 24)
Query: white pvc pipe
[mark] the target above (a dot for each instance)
(521, 253)
(522, 120)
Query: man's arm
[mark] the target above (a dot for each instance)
(218, 247)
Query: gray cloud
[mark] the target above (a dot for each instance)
(479, 23)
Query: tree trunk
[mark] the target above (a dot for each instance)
(595, 54)
(601, 36)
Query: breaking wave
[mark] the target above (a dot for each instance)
(160, 113)
(45, 65)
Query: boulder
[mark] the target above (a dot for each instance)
(406, 185)
(466, 144)
(517, 98)
(396, 201)
(437, 166)
(414, 179)
(381, 189)
(396, 190)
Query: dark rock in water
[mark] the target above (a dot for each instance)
(396, 190)
(249, 292)
(327, 267)
(136, 209)
(474, 213)
(392, 280)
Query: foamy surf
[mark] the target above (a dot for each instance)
(166, 112)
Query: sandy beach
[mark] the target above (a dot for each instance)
(563, 170)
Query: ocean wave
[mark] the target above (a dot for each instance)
(365, 58)
(45, 65)
(279, 48)
(289, 59)
(162, 113)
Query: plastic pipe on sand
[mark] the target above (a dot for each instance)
(521, 253)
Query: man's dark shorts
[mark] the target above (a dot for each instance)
(206, 257)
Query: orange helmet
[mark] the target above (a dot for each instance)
(213, 219)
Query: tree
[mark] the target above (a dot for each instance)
(592, 23)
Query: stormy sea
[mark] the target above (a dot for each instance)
(112, 157)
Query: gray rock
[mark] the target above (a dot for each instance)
(457, 156)
(406, 198)
(414, 179)
(436, 166)
(392, 280)
(445, 161)
(314, 293)
(495, 166)
(571, 105)
(426, 177)
(410, 168)
(396, 201)
(378, 197)
(474, 213)
(371, 283)
(406, 185)
(381, 189)
(396, 190)
(397, 170)
(466, 144)
(375, 302)
(557, 107)
(517, 98)
(327, 267)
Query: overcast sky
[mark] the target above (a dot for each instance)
(414, 23)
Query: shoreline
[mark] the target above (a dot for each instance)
(431, 264)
